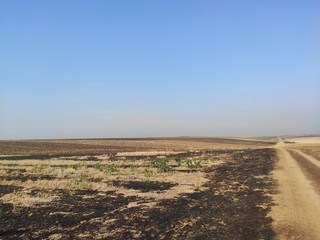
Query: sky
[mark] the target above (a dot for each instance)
(80, 69)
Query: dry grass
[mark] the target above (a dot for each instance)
(53, 174)
(25, 198)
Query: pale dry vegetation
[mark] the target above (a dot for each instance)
(104, 174)
(172, 192)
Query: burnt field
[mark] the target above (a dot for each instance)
(198, 194)
(49, 148)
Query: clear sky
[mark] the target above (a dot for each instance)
(159, 68)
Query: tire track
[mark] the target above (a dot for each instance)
(297, 205)
(310, 169)
(308, 157)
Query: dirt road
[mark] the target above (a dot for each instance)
(296, 212)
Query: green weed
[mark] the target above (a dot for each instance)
(178, 160)
(108, 168)
(194, 163)
(74, 166)
(80, 182)
(161, 165)
(148, 172)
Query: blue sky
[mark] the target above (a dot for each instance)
(158, 68)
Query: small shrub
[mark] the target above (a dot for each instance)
(109, 168)
(161, 165)
(178, 160)
(194, 163)
(98, 167)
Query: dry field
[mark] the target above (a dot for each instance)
(173, 188)
(157, 188)
(40, 148)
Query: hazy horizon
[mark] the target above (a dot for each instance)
(95, 69)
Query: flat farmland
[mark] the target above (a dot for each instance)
(114, 146)
(169, 188)
(158, 188)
